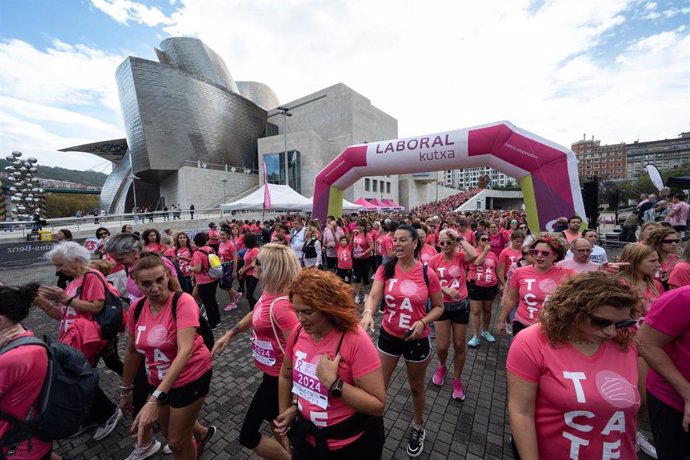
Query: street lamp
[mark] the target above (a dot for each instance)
(286, 113)
(224, 181)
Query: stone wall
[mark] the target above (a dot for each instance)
(203, 187)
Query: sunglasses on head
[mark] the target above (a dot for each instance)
(604, 323)
(543, 252)
(676, 241)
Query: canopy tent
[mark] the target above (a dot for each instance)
(366, 205)
(379, 204)
(282, 198)
(392, 204)
(347, 205)
(680, 182)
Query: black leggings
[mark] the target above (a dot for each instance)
(264, 406)
(141, 390)
(517, 327)
(672, 443)
(207, 293)
(251, 287)
(369, 446)
(102, 408)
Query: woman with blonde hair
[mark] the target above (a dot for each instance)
(572, 375)
(647, 229)
(271, 322)
(332, 370)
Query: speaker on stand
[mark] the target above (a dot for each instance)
(590, 197)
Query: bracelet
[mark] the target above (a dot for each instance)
(124, 395)
(367, 311)
(69, 301)
(128, 387)
(423, 322)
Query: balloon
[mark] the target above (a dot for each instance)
(16, 153)
(33, 160)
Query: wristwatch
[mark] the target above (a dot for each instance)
(460, 239)
(161, 396)
(336, 389)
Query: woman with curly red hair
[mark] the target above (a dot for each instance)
(332, 370)
(532, 285)
(572, 376)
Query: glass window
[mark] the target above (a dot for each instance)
(275, 169)
(388, 187)
(367, 184)
(374, 183)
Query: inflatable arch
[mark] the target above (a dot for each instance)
(546, 172)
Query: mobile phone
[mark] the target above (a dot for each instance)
(407, 334)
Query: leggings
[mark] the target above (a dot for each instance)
(251, 287)
(102, 408)
(207, 293)
(264, 406)
(141, 389)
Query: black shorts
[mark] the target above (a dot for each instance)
(414, 351)
(667, 427)
(456, 312)
(344, 274)
(360, 267)
(188, 394)
(481, 293)
(227, 279)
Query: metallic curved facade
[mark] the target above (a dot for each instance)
(260, 94)
(185, 107)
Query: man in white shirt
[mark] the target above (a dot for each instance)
(581, 249)
(297, 237)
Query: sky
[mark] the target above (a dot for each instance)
(618, 70)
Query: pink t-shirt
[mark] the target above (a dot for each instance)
(213, 236)
(360, 245)
(184, 265)
(451, 273)
(666, 266)
(91, 291)
(267, 355)
(358, 358)
(249, 257)
(405, 296)
(468, 235)
(379, 244)
(577, 267)
(154, 247)
(586, 406)
(680, 218)
(23, 372)
(387, 245)
(226, 251)
(484, 275)
(509, 256)
(534, 289)
(155, 337)
(680, 274)
(200, 258)
(239, 242)
(427, 253)
(345, 257)
(670, 315)
(498, 242)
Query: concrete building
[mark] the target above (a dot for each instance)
(603, 161)
(465, 179)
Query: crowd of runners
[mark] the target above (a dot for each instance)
(597, 346)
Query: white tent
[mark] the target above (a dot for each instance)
(283, 198)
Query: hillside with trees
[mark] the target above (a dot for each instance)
(56, 173)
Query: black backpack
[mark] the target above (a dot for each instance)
(185, 284)
(111, 317)
(65, 400)
(204, 329)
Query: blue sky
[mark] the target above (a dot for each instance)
(615, 69)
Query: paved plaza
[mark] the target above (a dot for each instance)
(474, 429)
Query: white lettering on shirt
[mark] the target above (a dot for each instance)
(575, 444)
(569, 419)
(140, 329)
(576, 377)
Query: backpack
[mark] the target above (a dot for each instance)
(215, 267)
(204, 329)
(185, 284)
(112, 318)
(65, 400)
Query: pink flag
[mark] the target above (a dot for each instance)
(267, 194)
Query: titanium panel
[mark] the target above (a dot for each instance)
(259, 93)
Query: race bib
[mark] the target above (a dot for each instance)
(306, 385)
(263, 352)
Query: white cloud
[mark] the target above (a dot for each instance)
(124, 11)
(45, 97)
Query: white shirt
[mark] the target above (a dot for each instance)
(598, 255)
(297, 241)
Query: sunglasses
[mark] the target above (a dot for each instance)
(445, 243)
(543, 252)
(483, 239)
(522, 227)
(604, 323)
(103, 234)
(676, 241)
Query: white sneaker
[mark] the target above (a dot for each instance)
(167, 450)
(140, 453)
(645, 446)
(104, 430)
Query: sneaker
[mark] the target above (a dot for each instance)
(439, 376)
(167, 450)
(140, 453)
(415, 445)
(238, 296)
(230, 307)
(645, 446)
(458, 391)
(474, 341)
(84, 428)
(488, 337)
(201, 445)
(104, 430)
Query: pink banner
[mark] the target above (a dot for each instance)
(267, 194)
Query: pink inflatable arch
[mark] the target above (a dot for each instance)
(546, 172)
